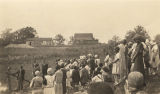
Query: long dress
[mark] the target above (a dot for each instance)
(115, 69)
(64, 80)
(49, 89)
(123, 61)
(58, 82)
(155, 61)
(138, 59)
(68, 80)
(108, 60)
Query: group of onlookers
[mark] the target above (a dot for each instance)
(131, 63)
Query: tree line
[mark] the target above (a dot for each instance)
(19, 36)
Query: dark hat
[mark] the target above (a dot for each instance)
(139, 38)
(105, 69)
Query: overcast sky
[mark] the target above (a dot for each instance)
(103, 18)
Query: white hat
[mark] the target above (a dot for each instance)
(96, 56)
(49, 71)
(37, 73)
(153, 43)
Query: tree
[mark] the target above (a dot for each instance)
(59, 39)
(71, 41)
(112, 44)
(6, 37)
(116, 39)
(157, 38)
(137, 30)
(24, 33)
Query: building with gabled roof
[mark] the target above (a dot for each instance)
(84, 39)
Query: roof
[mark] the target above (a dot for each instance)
(83, 36)
(39, 39)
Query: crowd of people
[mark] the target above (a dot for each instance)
(130, 64)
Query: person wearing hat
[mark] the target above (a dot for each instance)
(75, 78)
(49, 88)
(36, 67)
(155, 59)
(91, 63)
(36, 84)
(138, 56)
(123, 52)
(58, 81)
(97, 60)
(115, 67)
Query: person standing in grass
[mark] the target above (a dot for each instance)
(75, 78)
(123, 60)
(138, 55)
(91, 63)
(115, 69)
(20, 77)
(36, 84)
(64, 78)
(84, 76)
(49, 88)
(97, 60)
(68, 81)
(58, 81)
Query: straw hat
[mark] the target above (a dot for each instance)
(89, 55)
(105, 69)
(96, 56)
(139, 38)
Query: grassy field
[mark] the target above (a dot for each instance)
(26, 57)
(15, 57)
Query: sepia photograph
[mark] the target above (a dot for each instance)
(79, 46)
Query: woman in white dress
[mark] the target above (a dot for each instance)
(115, 69)
(108, 61)
(155, 60)
(49, 88)
(68, 82)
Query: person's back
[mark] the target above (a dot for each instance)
(91, 63)
(75, 76)
(59, 76)
(84, 76)
(21, 74)
(37, 82)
